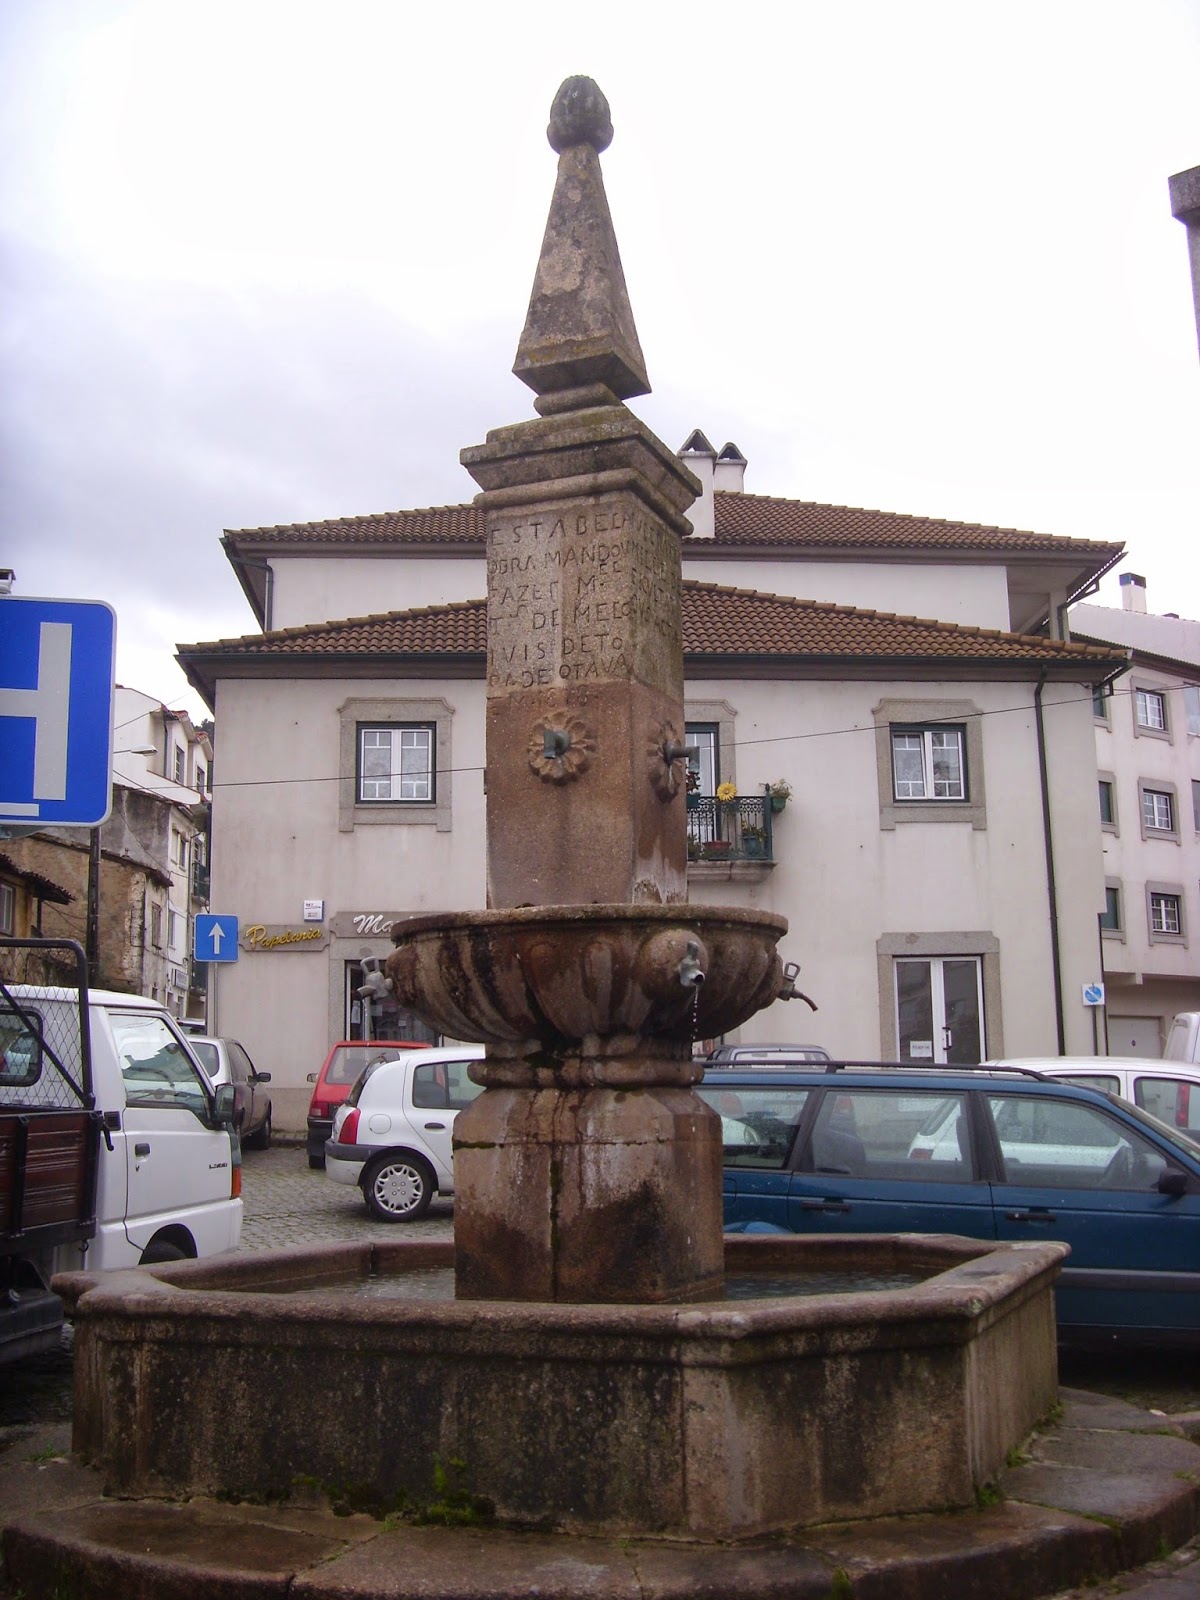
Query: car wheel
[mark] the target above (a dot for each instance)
(262, 1139)
(316, 1162)
(398, 1188)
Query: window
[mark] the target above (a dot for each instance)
(1196, 804)
(1067, 1145)
(156, 1068)
(395, 764)
(891, 1136)
(1158, 812)
(704, 767)
(1150, 710)
(178, 848)
(156, 927)
(180, 757)
(1110, 917)
(172, 928)
(1191, 705)
(1166, 913)
(8, 908)
(929, 764)
(201, 776)
(758, 1125)
(1100, 694)
(1108, 803)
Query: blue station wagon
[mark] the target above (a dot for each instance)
(995, 1155)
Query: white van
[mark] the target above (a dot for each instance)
(1168, 1090)
(125, 1160)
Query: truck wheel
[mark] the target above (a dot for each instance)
(160, 1250)
(398, 1188)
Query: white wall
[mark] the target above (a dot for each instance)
(329, 587)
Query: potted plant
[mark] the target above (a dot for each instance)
(754, 841)
(715, 850)
(781, 793)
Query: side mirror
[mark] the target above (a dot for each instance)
(223, 1101)
(1172, 1182)
(313, 1076)
(262, 1077)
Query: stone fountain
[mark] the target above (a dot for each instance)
(587, 1374)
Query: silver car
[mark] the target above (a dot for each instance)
(226, 1061)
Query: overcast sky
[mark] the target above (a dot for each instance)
(267, 261)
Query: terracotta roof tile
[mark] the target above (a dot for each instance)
(742, 521)
(755, 519)
(717, 621)
(430, 525)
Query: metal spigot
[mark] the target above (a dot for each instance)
(691, 975)
(791, 971)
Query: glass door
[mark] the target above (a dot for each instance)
(939, 1010)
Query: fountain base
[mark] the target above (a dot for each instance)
(707, 1422)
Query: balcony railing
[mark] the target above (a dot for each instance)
(730, 830)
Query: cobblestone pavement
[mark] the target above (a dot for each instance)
(285, 1201)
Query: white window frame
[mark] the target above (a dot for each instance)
(930, 744)
(1169, 904)
(410, 777)
(173, 922)
(8, 909)
(1150, 703)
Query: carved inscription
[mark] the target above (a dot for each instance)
(586, 594)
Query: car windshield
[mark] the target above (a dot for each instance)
(352, 1059)
(206, 1054)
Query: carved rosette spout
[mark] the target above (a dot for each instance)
(560, 748)
(666, 760)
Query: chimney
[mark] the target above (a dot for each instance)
(696, 452)
(1133, 591)
(730, 471)
(1184, 189)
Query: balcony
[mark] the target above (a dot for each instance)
(200, 881)
(726, 831)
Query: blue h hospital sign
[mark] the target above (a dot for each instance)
(57, 663)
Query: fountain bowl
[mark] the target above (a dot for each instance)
(710, 1422)
(598, 981)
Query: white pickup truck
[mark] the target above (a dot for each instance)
(115, 1150)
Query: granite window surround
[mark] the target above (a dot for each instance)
(919, 716)
(1150, 716)
(1158, 808)
(390, 712)
(1107, 792)
(1112, 918)
(1165, 921)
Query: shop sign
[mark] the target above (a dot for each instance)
(367, 924)
(272, 937)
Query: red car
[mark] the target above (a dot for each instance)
(343, 1065)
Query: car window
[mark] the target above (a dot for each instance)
(352, 1060)
(1069, 1145)
(460, 1090)
(758, 1124)
(240, 1065)
(1172, 1100)
(1106, 1082)
(20, 1050)
(891, 1135)
(156, 1068)
(207, 1056)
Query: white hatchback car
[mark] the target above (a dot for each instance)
(392, 1134)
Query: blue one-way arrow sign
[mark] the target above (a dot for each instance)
(216, 937)
(57, 664)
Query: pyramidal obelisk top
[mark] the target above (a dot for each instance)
(579, 331)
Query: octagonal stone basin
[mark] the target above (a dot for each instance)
(601, 980)
(706, 1422)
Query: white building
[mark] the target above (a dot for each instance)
(1148, 761)
(939, 859)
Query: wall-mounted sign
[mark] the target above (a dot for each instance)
(273, 937)
(367, 924)
(1093, 994)
(314, 911)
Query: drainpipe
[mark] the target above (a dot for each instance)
(1051, 890)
